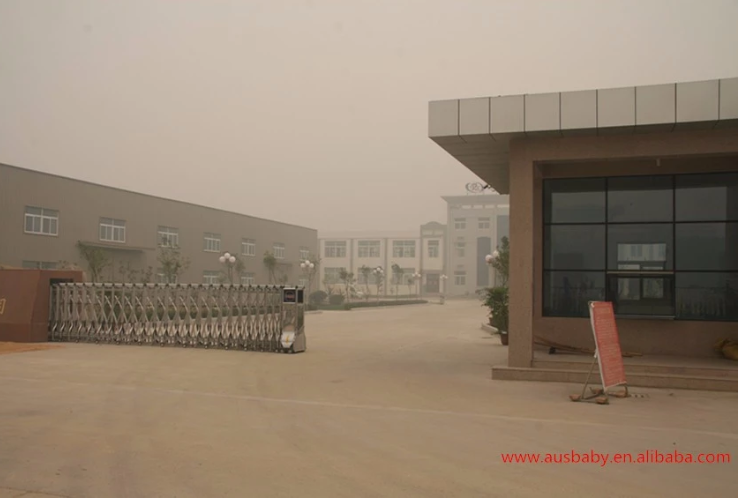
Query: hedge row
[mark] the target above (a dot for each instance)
(367, 304)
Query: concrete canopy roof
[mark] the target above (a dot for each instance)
(478, 131)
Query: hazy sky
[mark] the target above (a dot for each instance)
(312, 112)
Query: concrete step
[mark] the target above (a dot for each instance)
(636, 369)
(645, 380)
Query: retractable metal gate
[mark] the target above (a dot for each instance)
(262, 318)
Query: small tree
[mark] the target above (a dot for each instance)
(348, 279)
(328, 286)
(365, 272)
(501, 264)
(410, 281)
(497, 300)
(96, 259)
(132, 275)
(270, 262)
(173, 264)
(397, 273)
(379, 278)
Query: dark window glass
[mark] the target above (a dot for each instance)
(709, 246)
(640, 199)
(575, 247)
(707, 296)
(707, 197)
(574, 200)
(641, 295)
(567, 294)
(640, 247)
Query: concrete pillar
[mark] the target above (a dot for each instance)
(522, 285)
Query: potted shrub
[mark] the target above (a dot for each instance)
(496, 299)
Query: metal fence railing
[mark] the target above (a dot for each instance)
(189, 315)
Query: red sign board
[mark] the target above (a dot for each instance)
(607, 342)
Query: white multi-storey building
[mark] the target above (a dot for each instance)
(476, 225)
(411, 252)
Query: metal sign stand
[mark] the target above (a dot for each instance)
(598, 395)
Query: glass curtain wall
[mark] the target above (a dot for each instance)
(656, 246)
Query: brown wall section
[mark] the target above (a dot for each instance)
(532, 160)
(24, 302)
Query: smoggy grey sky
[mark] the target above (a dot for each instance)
(312, 112)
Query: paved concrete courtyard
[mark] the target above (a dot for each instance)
(387, 402)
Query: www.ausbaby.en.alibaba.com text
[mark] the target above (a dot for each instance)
(603, 459)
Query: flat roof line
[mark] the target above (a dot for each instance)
(87, 182)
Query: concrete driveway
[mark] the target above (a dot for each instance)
(387, 402)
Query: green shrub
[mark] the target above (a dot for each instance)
(336, 299)
(497, 302)
(386, 303)
(317, 297)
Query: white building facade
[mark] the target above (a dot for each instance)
(475, 228)
(457, 250)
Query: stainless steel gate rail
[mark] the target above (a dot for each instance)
(210, 316)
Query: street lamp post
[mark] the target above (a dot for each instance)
(443, 288)
(416, 278)
(228, 260)
(308, 268)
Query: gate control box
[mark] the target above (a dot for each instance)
(293, 320)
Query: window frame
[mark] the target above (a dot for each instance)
(167, 233)
(669, 273)
(208, 239)
(434, 250)
(366, 247)
(114, 228)
(400, 249)
(279, 250)
(334, 249)
(248, 247)
(41, 217)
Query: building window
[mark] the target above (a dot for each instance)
(41, 221)
(434, 246)
(279, 250)
(248, 279)
(212, 242)
(459, 223)
(168, 237)
(369, 249)
(304, 253)
(484, 223)
(460, 277)
(662, 246)
(335, 249)
(332, 275)
(302, 282)
(248, 247)
(460, 249)
(29, 264)
(211, 277)
(403, 249)
(112, 230)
